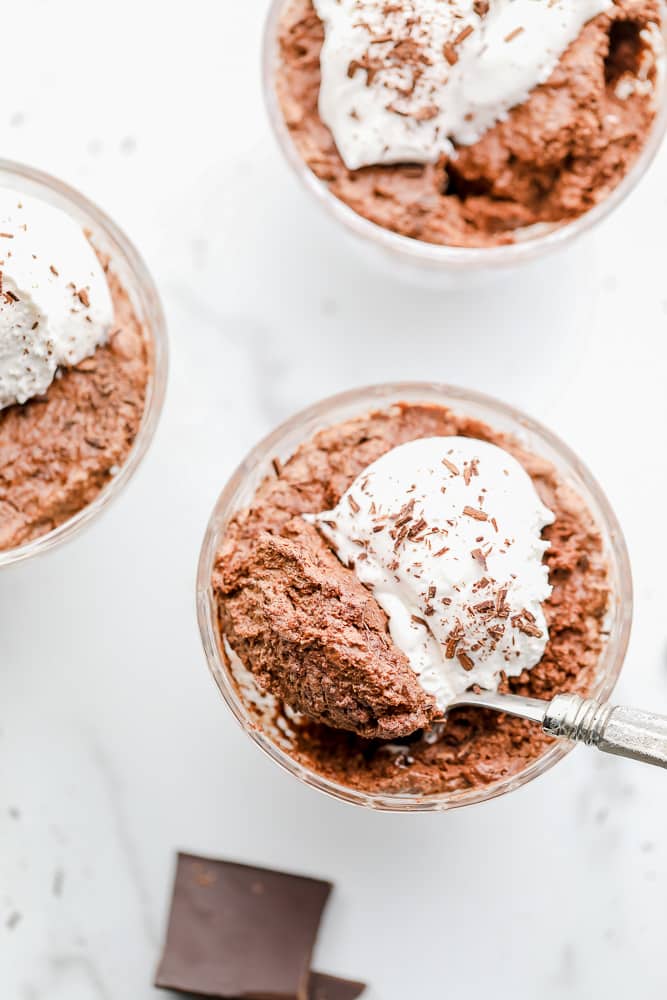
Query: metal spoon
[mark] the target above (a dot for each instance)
(626, 732)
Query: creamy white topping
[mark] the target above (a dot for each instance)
(402, 80)
(55, 304)
(447, 532)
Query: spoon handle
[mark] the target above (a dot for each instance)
(626, 732)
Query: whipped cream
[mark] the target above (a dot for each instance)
(447, 532)
(403, 81)
(55, 303)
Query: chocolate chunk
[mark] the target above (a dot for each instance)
(323, 987)
(236, 931)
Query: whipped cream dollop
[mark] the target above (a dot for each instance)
(447, 533)
(402, 81)
(55, 303)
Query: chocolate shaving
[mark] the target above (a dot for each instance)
(450, 53)
(370, 66)
(465, 33)
(514, 34)
(453, 639)
(479, 557)
(465, 661)
(502, 608)
(400, 537)
(478, 515)
(405, 514)
(426, 114)
(452, 468)
(417, 528)
(526, 627)
(470, 469)
(484, 607)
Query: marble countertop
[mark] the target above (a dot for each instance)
(115, 749)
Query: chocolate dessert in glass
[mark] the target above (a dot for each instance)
(83, 362)
(460, 138)
(389, 549)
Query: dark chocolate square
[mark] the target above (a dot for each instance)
(240, 932)
(322, 987)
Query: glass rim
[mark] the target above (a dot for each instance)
(155, 327)
(367, 397)
(443, 255)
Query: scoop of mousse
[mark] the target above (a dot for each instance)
(314, 636)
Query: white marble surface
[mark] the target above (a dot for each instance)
(114, 747)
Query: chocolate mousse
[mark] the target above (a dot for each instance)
(58, 450)
(315, 637)
(302, 626)
(546, 160)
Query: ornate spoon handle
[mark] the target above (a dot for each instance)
(626, 732)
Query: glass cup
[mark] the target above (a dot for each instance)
(126, 263)
(237, 686)
(428, 263)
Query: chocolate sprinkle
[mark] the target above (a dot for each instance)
(465, 661)
(450, 465)
(478, 515)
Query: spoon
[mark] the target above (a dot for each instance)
(625, 732)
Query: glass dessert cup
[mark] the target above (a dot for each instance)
(281, 444)
(126, 263)
(435, 264)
